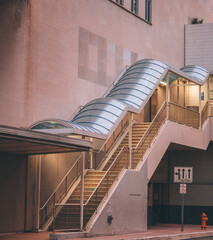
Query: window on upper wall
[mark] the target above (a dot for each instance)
(134, 6)
(148, 10)
(121, 2)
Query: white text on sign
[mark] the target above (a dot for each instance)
(183, 174)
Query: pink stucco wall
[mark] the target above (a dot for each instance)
(57, 55)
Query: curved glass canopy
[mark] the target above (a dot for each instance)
(196, 72)
(130, 92)
(137, 82)
(100, 114)
(59, 124)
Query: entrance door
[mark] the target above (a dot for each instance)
(158, 203)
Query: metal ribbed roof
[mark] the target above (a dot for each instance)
(131, 92)
(196, 72)
(137, 82)
(100, 114)
(58, 123)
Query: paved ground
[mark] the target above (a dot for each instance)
(160, 232)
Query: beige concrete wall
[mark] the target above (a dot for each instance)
(55, 57)
(128, 204)
(53, 169)
(172, 132)
(32, 193)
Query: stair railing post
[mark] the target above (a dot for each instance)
(82, 193)
(91, 157)
(66, 185)
(91, 160)
(130, 140)
(54, 217)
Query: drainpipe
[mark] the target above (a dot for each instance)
(130, 140)
(82, 193)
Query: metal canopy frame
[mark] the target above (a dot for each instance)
(27, 142)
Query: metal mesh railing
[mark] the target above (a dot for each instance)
(204, 113)
(146, 140)
(108, 146)
(120, 162)
(66, 217)
(47, 210)
(183, 115)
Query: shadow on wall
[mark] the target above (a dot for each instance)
(12, 13)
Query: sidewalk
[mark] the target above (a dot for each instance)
(159, 232)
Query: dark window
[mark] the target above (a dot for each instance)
(148, 12)
(121, 2)
(134, 6)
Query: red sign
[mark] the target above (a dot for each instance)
(182, 188)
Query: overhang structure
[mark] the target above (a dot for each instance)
(27, 142)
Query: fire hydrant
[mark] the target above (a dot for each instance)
(204, 219)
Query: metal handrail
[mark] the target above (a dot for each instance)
(203, 112)
(76, 111)
(66, 204)
(60, 183)
(77, 204)
(150, 125)
(205, 106)
(105, 174)
(116, 80)
(118, 138)
(164, 103)
(121, 152)
(108, 138)
(189, 109)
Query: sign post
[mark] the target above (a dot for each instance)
(183, 175)
(182, 192)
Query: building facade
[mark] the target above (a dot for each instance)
(57, 56)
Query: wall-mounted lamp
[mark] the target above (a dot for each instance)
(163, 83)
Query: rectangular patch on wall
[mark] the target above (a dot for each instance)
(100, 60)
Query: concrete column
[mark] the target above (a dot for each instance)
(167, 96)
(178, 92)
(208, 113)
(130, 140)
(82, 193)
(91, 165)
(38, 182)
(200, 124)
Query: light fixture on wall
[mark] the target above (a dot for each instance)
(163, 83)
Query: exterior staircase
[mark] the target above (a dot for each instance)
(68, 216)
(97, 183)
(118, 161)
(138, 130)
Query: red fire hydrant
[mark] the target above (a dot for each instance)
(204, 219)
